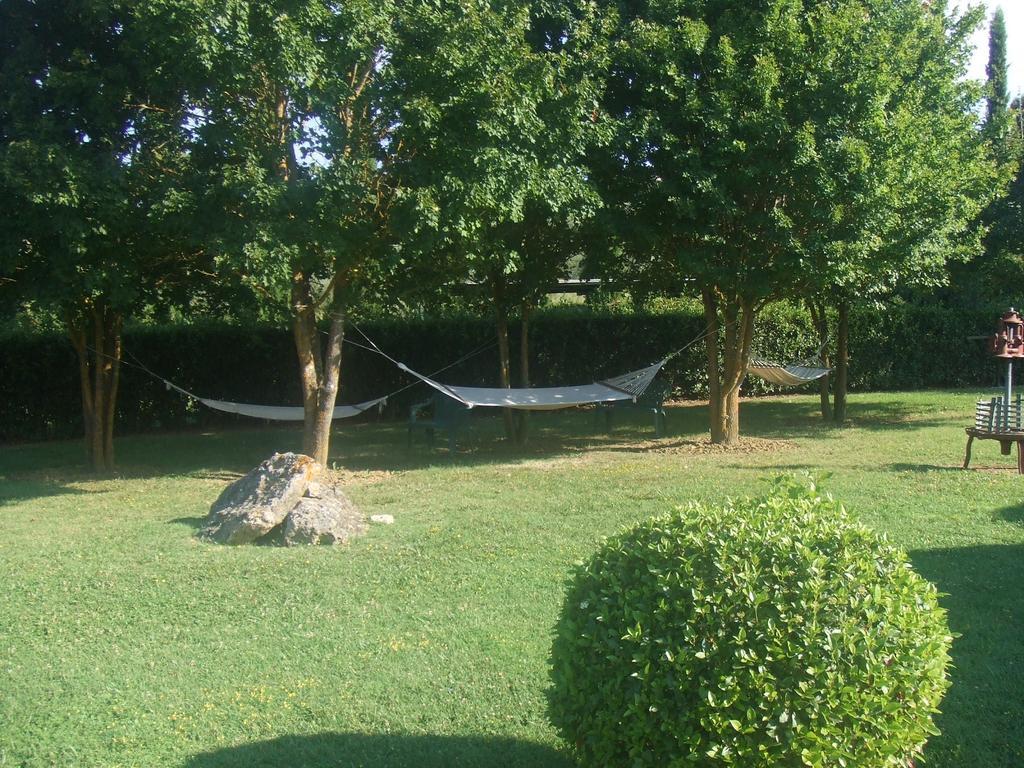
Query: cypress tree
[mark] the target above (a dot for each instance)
(998, 96)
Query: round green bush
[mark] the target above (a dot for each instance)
(768, 632)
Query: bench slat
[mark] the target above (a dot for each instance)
(993, 416)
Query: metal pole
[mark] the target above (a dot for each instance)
(1009, 395)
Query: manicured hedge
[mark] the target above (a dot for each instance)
(766, 632)
(903, 347)
(912, 347)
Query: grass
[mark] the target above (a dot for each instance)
(124, 641)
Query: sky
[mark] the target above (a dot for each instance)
(1013, 10)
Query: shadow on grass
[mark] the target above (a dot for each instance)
(352, 750)
(22, 489)
(375, 445)
(1012, 514)
(783, 468)
(984, 595)
(372, 445)
(802, 418)
(905, 467)
(152, 454)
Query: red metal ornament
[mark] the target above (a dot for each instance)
(1008, 341)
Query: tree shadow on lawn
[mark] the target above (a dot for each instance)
(13, 490)
(984, 594)
(352, 750)
(802, 418)
(378, 445)
(375, 445)
(952, 468)
(43, 469)
(194, 523)
(1010, 468)
(153, 454)
(1012, 514)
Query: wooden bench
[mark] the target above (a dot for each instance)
(994, 421)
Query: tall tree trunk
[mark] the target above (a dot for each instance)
(319, 373)
(819, 318)
(842, 361)
(712, 330)
(113, 383)
(725, 379)
(327, 391)
(504, 352)
(307, 347)
(522, 421)
(95, 333)
(319, 376)
(524, 347)
(94, 431)
(504, 368)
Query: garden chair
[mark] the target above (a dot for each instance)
(651, 401)
(439, 413)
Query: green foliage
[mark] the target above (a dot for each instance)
(517, 84)
(290, 132)
(773, 631)
(772, 149)
(90, 145)
(997, 92)
(1002, 268)
(909, 346)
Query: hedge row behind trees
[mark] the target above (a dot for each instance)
(900, 347)
(325, 155)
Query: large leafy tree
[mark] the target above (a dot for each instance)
(501, 117)
(930, 173)
(293, 139)
(89, 118)
(1001, 271)
(765, 150)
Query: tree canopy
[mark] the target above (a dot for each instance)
(501, 119)
(315, 156)
(997, 92)
(763, 152)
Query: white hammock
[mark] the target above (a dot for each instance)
(628, 386)
(275, 412)
(785, 375)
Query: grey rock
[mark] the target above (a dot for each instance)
(383, 519)
(318, 490)
(254, 505)
(329, 517)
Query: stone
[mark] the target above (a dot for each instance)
(383, 519)
(254, 505)
(325, 515)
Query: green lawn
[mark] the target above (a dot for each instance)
(124, 641)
